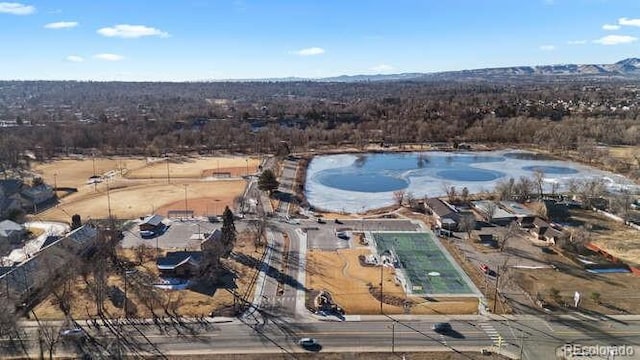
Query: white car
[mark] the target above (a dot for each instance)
(74, 332)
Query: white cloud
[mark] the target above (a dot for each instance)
(75, 58)
(61, 25)
(14, 8)
(312, 51)
(610, 27)
(629, 22)
(108, 57)
(382, 68)
(577, 42)
(615, 40)
(131, 31)
(547, 47)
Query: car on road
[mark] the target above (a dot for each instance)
(308, 343)
(73, 332)
(484, 268)
(342, 235)
(321, 221)
(441, 327)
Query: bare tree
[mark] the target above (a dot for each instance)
(491, 209)
(538, 179)
(398, 196)
(468, 224)
(507, 234)
(142, 253)
(464, 195)
(621, 203)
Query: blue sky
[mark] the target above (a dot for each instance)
(222, 39)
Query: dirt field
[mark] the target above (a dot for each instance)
(340, 273)
(75, 172)
(196, 168)
(191, 303)
(139, 186)
(139, 199)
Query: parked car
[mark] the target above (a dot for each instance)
(342, 235)
(146, 234)
(441, 327)
(321, 221)
(484, 268)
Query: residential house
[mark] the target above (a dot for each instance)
(445, 214)
(37, 197)
(10, 199)
(11, 232)
(153, 223)
(542, 230)
(180, 264)
(492, 212)
(20, 282)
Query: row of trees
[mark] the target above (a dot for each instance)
(149, 118)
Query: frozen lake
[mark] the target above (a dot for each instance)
(357, 182)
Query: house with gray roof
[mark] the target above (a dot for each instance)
(11, 232)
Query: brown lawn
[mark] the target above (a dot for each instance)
(130, 199)
(340, 273)
(75, 172)
(191, 303)
(614, 237)
(196, 168)
(618, 292)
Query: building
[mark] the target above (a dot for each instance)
(153, 223)
(542, 230)
(445, 214)
(27, 280)
(492, 212)
(10, 199)
(11, 232)
(524, 216)
(37, 197)
(179, 264)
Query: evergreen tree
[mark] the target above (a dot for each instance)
(229, 233)
(268, 181)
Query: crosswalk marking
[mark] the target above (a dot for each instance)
(491, 332)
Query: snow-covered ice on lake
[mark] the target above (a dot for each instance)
(357, 182)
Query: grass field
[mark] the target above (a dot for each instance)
(419, 256)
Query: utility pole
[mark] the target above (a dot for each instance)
(185, 199)
(495, 294)
(393, 337)
(168, 173)
(381, 282)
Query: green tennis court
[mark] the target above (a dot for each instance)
(425, 265)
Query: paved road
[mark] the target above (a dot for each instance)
(540, 337)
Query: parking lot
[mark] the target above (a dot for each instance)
(323, 236)
(179, 235)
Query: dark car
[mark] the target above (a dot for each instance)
(309, 344)
(441, 327)
(321, 221)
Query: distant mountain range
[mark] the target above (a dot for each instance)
(625, 68)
